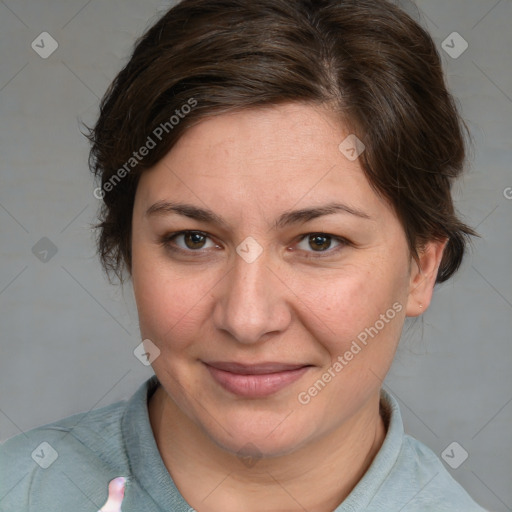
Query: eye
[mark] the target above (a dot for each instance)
(192, 241)
(196, 242)
(321, 243)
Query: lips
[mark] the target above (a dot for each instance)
(255, 369)
(255, 380)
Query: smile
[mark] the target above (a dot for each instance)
(255, 381)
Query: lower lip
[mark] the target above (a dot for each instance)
(256, 386)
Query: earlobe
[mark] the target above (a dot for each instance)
(423, 276)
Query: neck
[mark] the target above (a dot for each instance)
(212, 479)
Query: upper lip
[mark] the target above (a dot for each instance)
(254, 369)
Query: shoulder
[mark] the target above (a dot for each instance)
(406, 475)
(74, 452)
(425, 484)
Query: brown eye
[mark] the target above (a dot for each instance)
(321, 243)
(187, 241)
(194, 240)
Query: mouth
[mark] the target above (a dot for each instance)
(255, 380)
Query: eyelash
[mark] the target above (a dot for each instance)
(167, 242)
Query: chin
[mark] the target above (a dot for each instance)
(259, 435)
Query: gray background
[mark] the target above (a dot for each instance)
(67, 336)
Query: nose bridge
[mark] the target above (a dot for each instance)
(251, 303)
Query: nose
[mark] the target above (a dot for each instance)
(252, 301)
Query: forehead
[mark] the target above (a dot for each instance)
(287, 155)
(284, 134)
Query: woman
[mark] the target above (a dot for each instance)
(276, 179)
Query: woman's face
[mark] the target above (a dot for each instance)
(275, 326)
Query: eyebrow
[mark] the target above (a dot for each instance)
(162, 208)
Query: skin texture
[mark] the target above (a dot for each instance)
(295, 303)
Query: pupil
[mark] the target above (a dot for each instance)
(317, 240)
(196, 238)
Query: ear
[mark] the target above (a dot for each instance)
(423, 276)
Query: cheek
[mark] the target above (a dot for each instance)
(170, 306)
(344, 302)
(356, 319)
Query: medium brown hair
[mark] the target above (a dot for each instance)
(367, 60)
